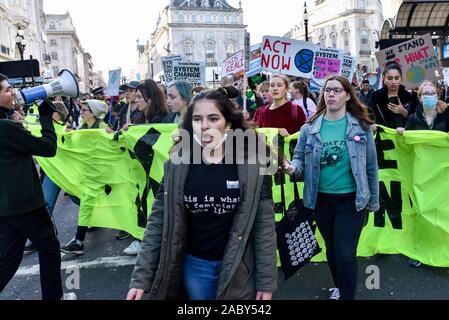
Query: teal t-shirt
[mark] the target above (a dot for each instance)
(336, 174)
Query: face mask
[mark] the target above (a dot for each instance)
(218, 146)
(429, 102)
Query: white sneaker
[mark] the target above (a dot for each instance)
(334, 294)
(69, 296)
(133, 248)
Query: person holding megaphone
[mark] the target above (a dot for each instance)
(23, 214)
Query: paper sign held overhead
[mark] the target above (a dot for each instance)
(417, 59)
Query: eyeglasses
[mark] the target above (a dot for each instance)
(337, 91)
(433, 94)
(85, 110)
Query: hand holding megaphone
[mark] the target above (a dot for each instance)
(64, 86)
(46, 108)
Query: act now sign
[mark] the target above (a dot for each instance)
(287, 56)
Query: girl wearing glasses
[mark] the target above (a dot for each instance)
(431, 113)
(337, 158)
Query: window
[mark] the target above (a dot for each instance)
(228, 35)
(188, 50)
(53, 42)
(209, 35)
(334, 41)
(194, 18)
(54, 56)
(361, 4)
(210, 54)
(209, 46)
(323, 41)
(210, 59)
(221, 19)
(55, 71)
(208, 19)
(52, 25)
(230, 49)
(364, 37)
(181, 18)
(346, 42)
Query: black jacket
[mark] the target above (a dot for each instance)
(417, 121)
(384, 117)
(20, 188)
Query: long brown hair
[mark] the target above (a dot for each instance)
(158, 106)
(354, 106)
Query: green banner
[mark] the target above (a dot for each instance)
(117, 179)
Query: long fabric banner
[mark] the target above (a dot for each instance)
(118, 180)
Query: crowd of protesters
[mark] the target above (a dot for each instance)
(230, 255)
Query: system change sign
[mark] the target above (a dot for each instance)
(191, 72)
(417, 59)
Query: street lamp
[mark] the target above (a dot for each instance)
(21, 42)
(306, 20)
(152, 68)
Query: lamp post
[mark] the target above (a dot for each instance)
(21, 44)
(152, 67)
(306, 20)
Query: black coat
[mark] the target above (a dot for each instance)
(383, 115)
(417, 121)
(20, 187)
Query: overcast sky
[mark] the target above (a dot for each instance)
(108, 30)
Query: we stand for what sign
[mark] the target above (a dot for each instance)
(191, 72)
(417, 59)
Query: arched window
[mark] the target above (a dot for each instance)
(334, 41)
(346, 42)
(210, 54)
(230, 49)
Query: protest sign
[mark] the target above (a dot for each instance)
(234, 64)
(328, 61)
(348, 66)
(167, 67)
(114, 82)
(191, 72)
(416, 58)
(287, 56)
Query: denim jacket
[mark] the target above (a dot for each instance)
(363, 155)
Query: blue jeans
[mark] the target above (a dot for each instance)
(51, 193)
(201, 278)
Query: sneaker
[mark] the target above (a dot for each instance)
(122, 235)
(414, 263)
(334, 294)
(69, 296)
(29, 247)
(133, 248)
(73, 247)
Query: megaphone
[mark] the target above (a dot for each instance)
(66, 85)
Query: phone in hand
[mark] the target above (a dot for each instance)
(393, 100)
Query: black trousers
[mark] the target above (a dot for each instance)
(341, 226)
(38, 227)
